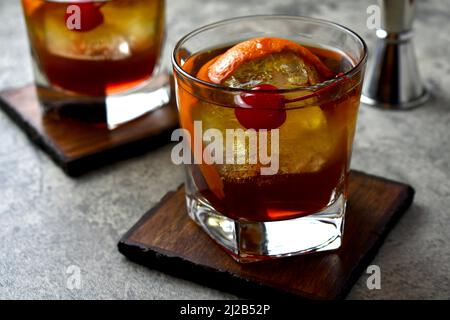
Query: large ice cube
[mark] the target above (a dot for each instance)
(223, 118)
(307, 142)
(284, 70)
(123, 31)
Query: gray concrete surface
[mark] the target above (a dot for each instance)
(49, 222)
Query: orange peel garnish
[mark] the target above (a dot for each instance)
(226, 64)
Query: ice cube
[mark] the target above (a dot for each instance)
(103, 43)
(284, 70)
(306, 141)
(109, 41)
(306, 144)
(138, 20)
(222, 118)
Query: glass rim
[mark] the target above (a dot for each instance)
(314, 87)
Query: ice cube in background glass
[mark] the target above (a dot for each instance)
(112, 55)
(116, 38)
(140, 28)
(104, 42)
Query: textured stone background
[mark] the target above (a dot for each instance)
(49, 221)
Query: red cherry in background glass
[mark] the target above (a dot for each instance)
(261, 110)
(90, 16)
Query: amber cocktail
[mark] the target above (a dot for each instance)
(286, 86)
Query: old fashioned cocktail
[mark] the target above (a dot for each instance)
(281, 96)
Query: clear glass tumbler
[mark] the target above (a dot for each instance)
(97, 60)
(294, 203)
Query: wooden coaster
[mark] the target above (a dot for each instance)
(79, 147)
(165, 238)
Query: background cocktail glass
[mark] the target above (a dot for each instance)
(97, 61)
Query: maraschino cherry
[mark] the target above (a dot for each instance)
(261, 110)
(90, 16)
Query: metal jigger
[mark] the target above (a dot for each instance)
(393, 80)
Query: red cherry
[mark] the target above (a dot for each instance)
(261, 110)
(89, 14)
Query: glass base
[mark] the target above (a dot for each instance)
(112, 110)
(249, 241)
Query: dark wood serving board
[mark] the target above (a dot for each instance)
(78, 147)
(166, 239)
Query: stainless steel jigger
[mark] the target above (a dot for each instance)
(393, 80)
